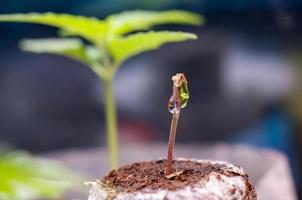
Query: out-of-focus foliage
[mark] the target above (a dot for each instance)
(129, 21)
(87, 27)
(125, 47)
(70, 47)
(24, 178)
(107, 35)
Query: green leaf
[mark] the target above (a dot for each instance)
(129, 21)
(122, 48)
(69, 47)
(23, 177)
(89, 28)
(184, 94)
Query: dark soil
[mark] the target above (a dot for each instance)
(151, 175)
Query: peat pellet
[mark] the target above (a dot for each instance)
(190, 180)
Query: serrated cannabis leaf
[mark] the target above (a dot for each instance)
(130, 21)
(89, 28)
(70, 47)
(122, 48)
(107, 34)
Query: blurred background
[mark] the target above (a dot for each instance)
(244, 74)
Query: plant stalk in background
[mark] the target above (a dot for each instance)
(111, 41)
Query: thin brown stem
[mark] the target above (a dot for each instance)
(169, 168)
(174, 105)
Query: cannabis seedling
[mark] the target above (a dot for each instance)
(177, 101)
(109, 43)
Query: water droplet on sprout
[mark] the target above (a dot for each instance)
(172, 107)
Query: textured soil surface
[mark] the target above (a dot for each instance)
(151, 175)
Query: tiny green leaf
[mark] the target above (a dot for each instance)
(69, 47)
(184, 94)
(89, 28)
(129, 21)
(122, 48)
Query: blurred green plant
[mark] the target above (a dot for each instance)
(110, 42)
(22, 177)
